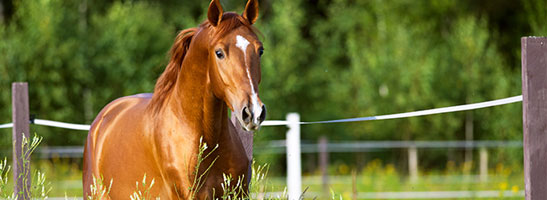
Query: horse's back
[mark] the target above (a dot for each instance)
(115, 137)
(122, 111)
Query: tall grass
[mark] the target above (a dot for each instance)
(199, 179)
(145, 194)
(98, 189)
(230, 191)
(374, 177)
(4, 171)
(40, 187)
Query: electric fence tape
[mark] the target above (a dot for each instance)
(410, 114)
(357, 119)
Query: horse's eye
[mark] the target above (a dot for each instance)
(260, 52)
(219, 54)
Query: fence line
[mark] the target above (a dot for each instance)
(8, 125)
(62, 152)
(473, 106)
(323, 148)
(278, 146)
(83, 127)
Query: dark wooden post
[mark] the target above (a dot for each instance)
(20, 114)
(534, 110)
(323, 164)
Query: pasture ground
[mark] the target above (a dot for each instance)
(65, 179)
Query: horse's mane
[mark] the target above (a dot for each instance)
(166, 82)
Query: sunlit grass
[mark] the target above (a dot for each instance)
(39, 188)
(99, 189)
(144, 192)
(378, 177)
(64, 180)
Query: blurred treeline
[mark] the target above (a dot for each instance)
(325, 59)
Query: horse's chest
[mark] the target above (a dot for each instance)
(233, 177)
(227, 170)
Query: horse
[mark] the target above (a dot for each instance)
(212, 68)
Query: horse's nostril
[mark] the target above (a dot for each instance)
(262, 116)
(245, 115)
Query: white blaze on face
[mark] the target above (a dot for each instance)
(242, 43)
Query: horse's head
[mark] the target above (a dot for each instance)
(234, 55)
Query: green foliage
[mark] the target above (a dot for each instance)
(376, 57)
(129, 50)
(76, 64)
(537, 14)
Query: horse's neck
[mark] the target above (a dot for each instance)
(193, 100)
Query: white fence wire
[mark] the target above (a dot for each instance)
(8, 125)
(473, 106)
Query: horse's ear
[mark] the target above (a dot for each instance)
(251, 11)
(214, 14)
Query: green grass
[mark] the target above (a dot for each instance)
(375, 177)
(64, 180)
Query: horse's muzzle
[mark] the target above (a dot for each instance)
(252, 118)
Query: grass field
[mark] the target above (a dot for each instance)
(65, 179)
(62, 178)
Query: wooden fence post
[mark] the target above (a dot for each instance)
(534, 110)
(323, 165)
(20, 117)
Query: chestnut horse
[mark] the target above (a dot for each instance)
(213, 68)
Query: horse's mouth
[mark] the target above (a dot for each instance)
(248, 126)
